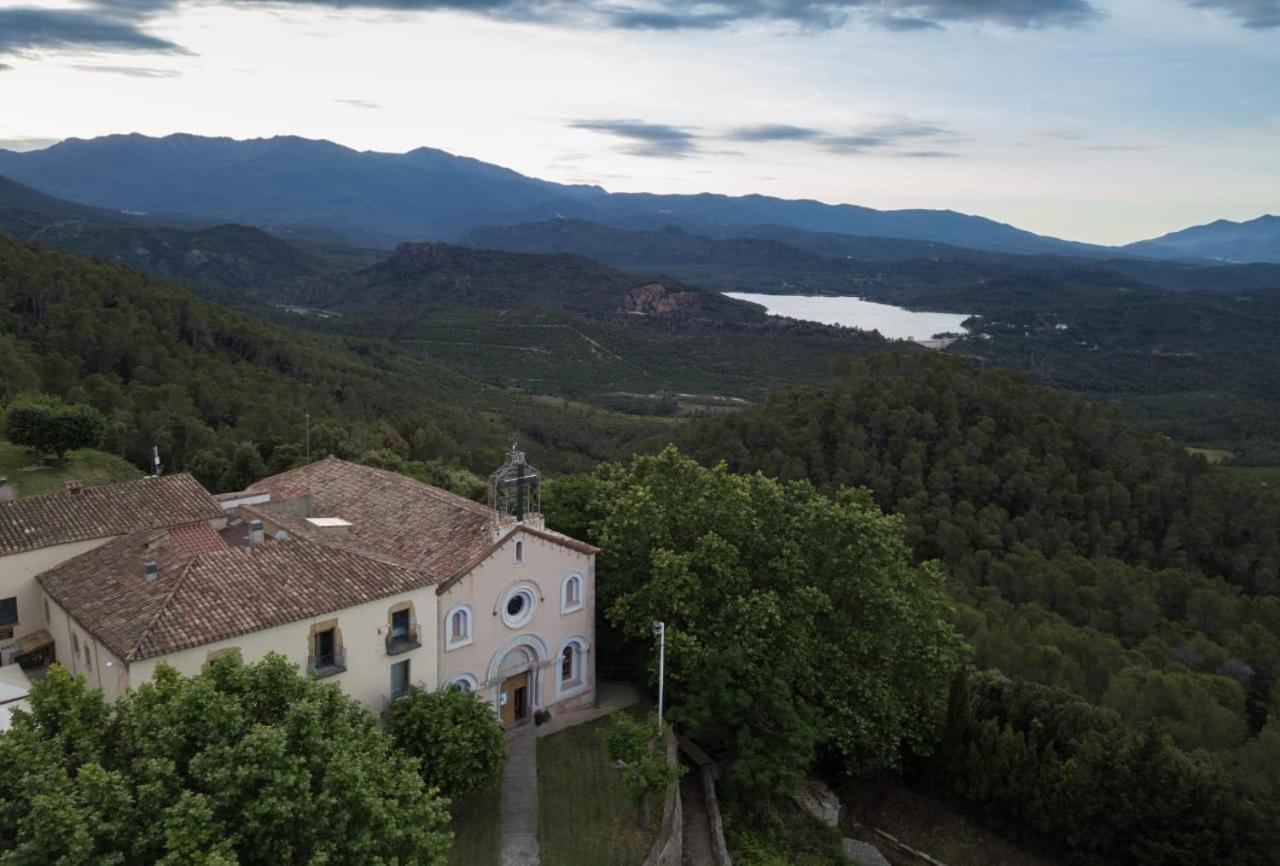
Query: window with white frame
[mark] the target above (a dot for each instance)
(462, 683)
(457, 627)
(518, 607)
(571, 673)
(571, 593)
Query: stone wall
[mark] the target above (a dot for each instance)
(668, 848)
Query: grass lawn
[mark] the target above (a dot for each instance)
(585, 817)
(29, 477)
(477, 830)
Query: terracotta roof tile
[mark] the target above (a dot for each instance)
(207, 591)
(412, 522)
(99, 512)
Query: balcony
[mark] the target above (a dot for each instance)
(327, 665)
(403, 642)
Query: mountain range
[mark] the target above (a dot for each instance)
(291, 184)
(1257, 240)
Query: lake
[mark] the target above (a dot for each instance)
(892, 322)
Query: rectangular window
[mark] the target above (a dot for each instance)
(326, 648)
(47, 618)
(400, 625)
(75, 643)
(9, 610)
(399, 678)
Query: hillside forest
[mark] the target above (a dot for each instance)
(875, 561)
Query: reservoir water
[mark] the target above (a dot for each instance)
(892, 322)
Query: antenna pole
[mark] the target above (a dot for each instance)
(307, 415)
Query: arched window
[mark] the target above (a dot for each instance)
(462, 683)
(567, 665)
(572, 674)
(457, 627)
(519, 551)
(571, 593)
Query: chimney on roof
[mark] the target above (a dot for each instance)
(72, 487)
(150, 570)
(256, 533)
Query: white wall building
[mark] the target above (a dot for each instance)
(364, 576)
(39, 532)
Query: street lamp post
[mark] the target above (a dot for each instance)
(660, 631)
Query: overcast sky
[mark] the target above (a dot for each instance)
(1096, 120)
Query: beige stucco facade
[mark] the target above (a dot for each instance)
(18, 579)
(362, 630)
(501, 648)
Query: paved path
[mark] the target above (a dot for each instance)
(609, 697)
(697, 827)
(520, 800)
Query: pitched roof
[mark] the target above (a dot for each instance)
(99, 512)
(414, 523)
(208, 591)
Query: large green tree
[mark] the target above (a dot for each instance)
(47, 425)
(240, 765)
(795, 624)
(456, 737)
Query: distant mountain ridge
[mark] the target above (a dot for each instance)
(443, 275)
(1256, 240)
(225, 257)
(425, 194)
(920, 274)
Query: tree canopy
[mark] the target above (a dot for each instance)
(238, 766)
(455, 736)
(795, 624)
(47, 425)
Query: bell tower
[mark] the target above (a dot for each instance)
(515, 491)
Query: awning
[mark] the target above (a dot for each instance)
(34, 642)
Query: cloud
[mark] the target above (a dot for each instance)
(899, 15)
(905, 23)
(131, 71)
(892, 134)
(645, 139)
(4, 67)
(359, 103)
(28, 28)
(1256, 14)
(774, 132)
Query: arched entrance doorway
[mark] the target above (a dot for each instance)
(517, 671)
(515, 695)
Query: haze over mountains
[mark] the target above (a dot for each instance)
(290, 184)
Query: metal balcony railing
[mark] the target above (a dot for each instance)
(403, 642)
(329, 664)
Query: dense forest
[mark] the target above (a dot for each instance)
(1119, 596)
(1084, 554)
(227, 395)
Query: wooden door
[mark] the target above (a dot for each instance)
(515, 700)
